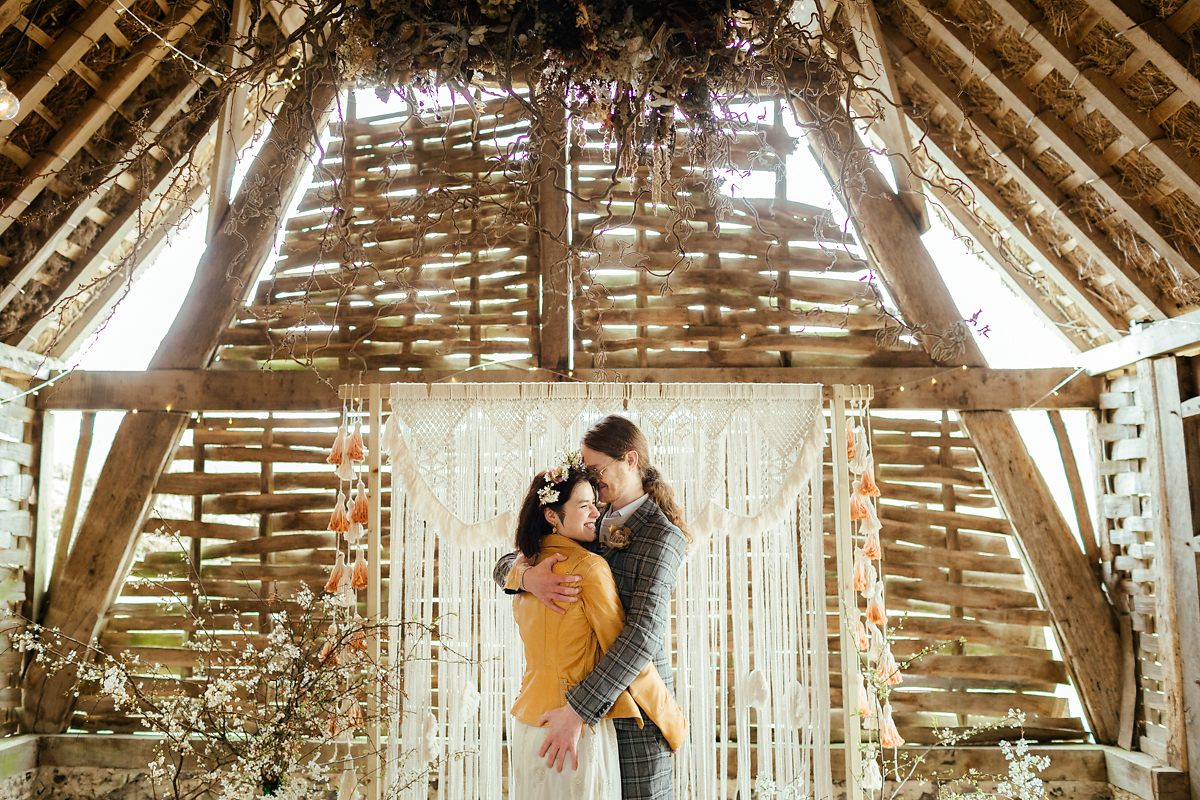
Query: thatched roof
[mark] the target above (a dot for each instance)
(1063, 136)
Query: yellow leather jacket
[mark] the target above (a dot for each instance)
(561, 649)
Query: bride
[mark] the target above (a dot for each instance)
(558, 516)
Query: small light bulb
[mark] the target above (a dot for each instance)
(933, 381)
(9, 104)
(134, 411)
(902, 388)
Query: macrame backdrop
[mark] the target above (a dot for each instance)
(748, 631)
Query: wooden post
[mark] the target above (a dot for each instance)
(83, 448)
(1081, 616)
(557, 324)
(1176, 586)
(41, 533)
(374, 581)
(847, 598)
(144, 443)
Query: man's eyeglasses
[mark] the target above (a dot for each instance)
(600, 472)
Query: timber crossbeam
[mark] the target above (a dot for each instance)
(973, 388)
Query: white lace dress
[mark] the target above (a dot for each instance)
(598, 776)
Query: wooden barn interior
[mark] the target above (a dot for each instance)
(1058, 139)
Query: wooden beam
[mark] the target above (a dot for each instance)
(1081, 616)
(66, 531)
(556, 340)
(144, 443)
(1029, 177)
(227, 145)
(67, 143)
(1153, 339)
(890, 125)
(1176, 587)
(1083, 516)
(257, 390)
(1067, 144)
(35, 365)
(1144, 776)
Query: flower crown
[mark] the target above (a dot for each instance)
(548, 495)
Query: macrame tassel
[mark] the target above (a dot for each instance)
(359, 513)
(427, 739)
(357, 641)
(339, 520)
(354, 533)
(757, 693)
(337, 575)
(347, 787)
(876, 613)
(864, 571)
(328, 655)
(337, 453)
(871, 524)
(862, 640)
(888, 735)
(862, 451)
(888, 671)
(345, 597)
(876, 649)
(871, 547)
(860, 507)
(864, 699)
(354, 446)
(345, 470)
(797, 706)
(872, 776)
(358, 580)
(867, 484)
(851, 450)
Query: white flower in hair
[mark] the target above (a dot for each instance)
(547, 495)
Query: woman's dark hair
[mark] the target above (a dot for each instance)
(531, 524)
(615, 436)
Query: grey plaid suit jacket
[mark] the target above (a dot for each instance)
(645, 573)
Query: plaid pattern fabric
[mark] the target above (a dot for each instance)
(647, 769)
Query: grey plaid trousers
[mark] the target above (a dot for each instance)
(645, 573)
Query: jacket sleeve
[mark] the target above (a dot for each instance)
(503, 571)
(601, 604)
(640, 639)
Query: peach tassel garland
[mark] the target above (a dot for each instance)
(358, 580)
(871, 547)
(339, 521)
(864, 577)
(337, 575)
(850, 449)
(337, 453)
(862, 640)
(355, 451)
(864, 700)
(888, 671)
(360, 511)
(888, 735)
(860, 507)
(867, 485)
(876, 614)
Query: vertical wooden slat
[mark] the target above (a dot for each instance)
(1083, 516)
(374, 581)
(45, 493)
(950, 503)
(847, 599)
(1176, 587)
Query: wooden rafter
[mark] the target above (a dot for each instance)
(67, 143)
(1137, 131)
(143, 444)
(58, 233)
(1099, 249)
(890, 127)
(1090, 167)
(1020, 281)
(65, 54)
(1154, 39)
(1081, 616)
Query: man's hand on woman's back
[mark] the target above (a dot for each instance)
(546, 585)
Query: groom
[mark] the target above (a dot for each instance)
(642, 537)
